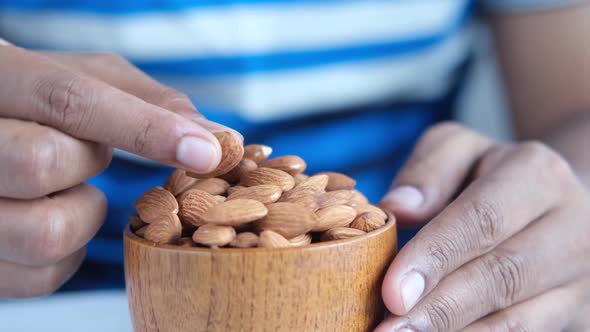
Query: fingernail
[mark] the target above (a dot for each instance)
(196, 154)
(405, 197)
(217, 127)
(412, 288)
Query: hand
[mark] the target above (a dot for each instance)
(60, 115)
(506, 247)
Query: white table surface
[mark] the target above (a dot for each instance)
(95, 311)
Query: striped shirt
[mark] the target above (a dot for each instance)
(347, 84)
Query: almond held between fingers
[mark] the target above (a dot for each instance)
(270, 239)
(265, 193)
(288, 164)
(232, 151)
(214, 186)
(178, 182)
(245, 240)
(135, 222)
(235, 212)
(246, 165)
(334, 216)
(287, 219)
(371, 208)
(339, 181)
(301, 240)
(368, 222)
(340, 233)
(214, 235)
(257, 152)
(265, 175)
(155, 203)
(166, 230)
(193, 204)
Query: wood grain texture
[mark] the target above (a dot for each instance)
(322, 287)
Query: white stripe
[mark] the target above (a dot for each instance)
(284, 94)
(233, 30)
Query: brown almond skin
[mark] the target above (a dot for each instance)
(232, 151)
(178, 182)
(368, 222)
(135, 222)
(342, 197)
(338, 181)
(233, 189)
(245, 240)
(166, 230)
(334, 216)
(193, 204)
(270, 239)
(288, 164)
(265, 175)
(155, 203)
(301, 240)
(304, 196)
(235, 212)
(316, 182)
(265, 193)
(214, 186)
(300, 178)
(287, 219)
(371, 208)
(340, 233)
(246, 165)
(214, 235)
(257, 152)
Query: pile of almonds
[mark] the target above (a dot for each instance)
(252, 201)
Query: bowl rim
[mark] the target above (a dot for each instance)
(391, 223)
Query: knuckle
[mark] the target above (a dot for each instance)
(64, 99)
(507, 272)
(486, 221)
(441, 313)
(546, 159)
(49, 242)
(442, 253)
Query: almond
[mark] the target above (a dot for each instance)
(166, 230)
(265, 175)
(289, 164)
(265, 193)
(245, 240)
(214, 235)
(219, 199)
(233, 189)
(135, 222)
(193, 204)
(214, 186)
(185, 242)
(155, 203)
(301, 240)
(232, 151)
(178, 182)
(317, 182)
(304, 196)
(334, 216)
(300, 178)
(371, 208)
(339, 181)
(141, 232)
(257, 152)
(270, 239)
(368, 222)
(235, 212)
(351, 198)
(287, 219)
(340, 233)
(245, 166)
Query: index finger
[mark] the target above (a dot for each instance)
(44, 91)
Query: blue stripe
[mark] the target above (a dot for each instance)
(126, 7)
(262, 63)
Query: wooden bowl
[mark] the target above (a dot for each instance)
(332, 286)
